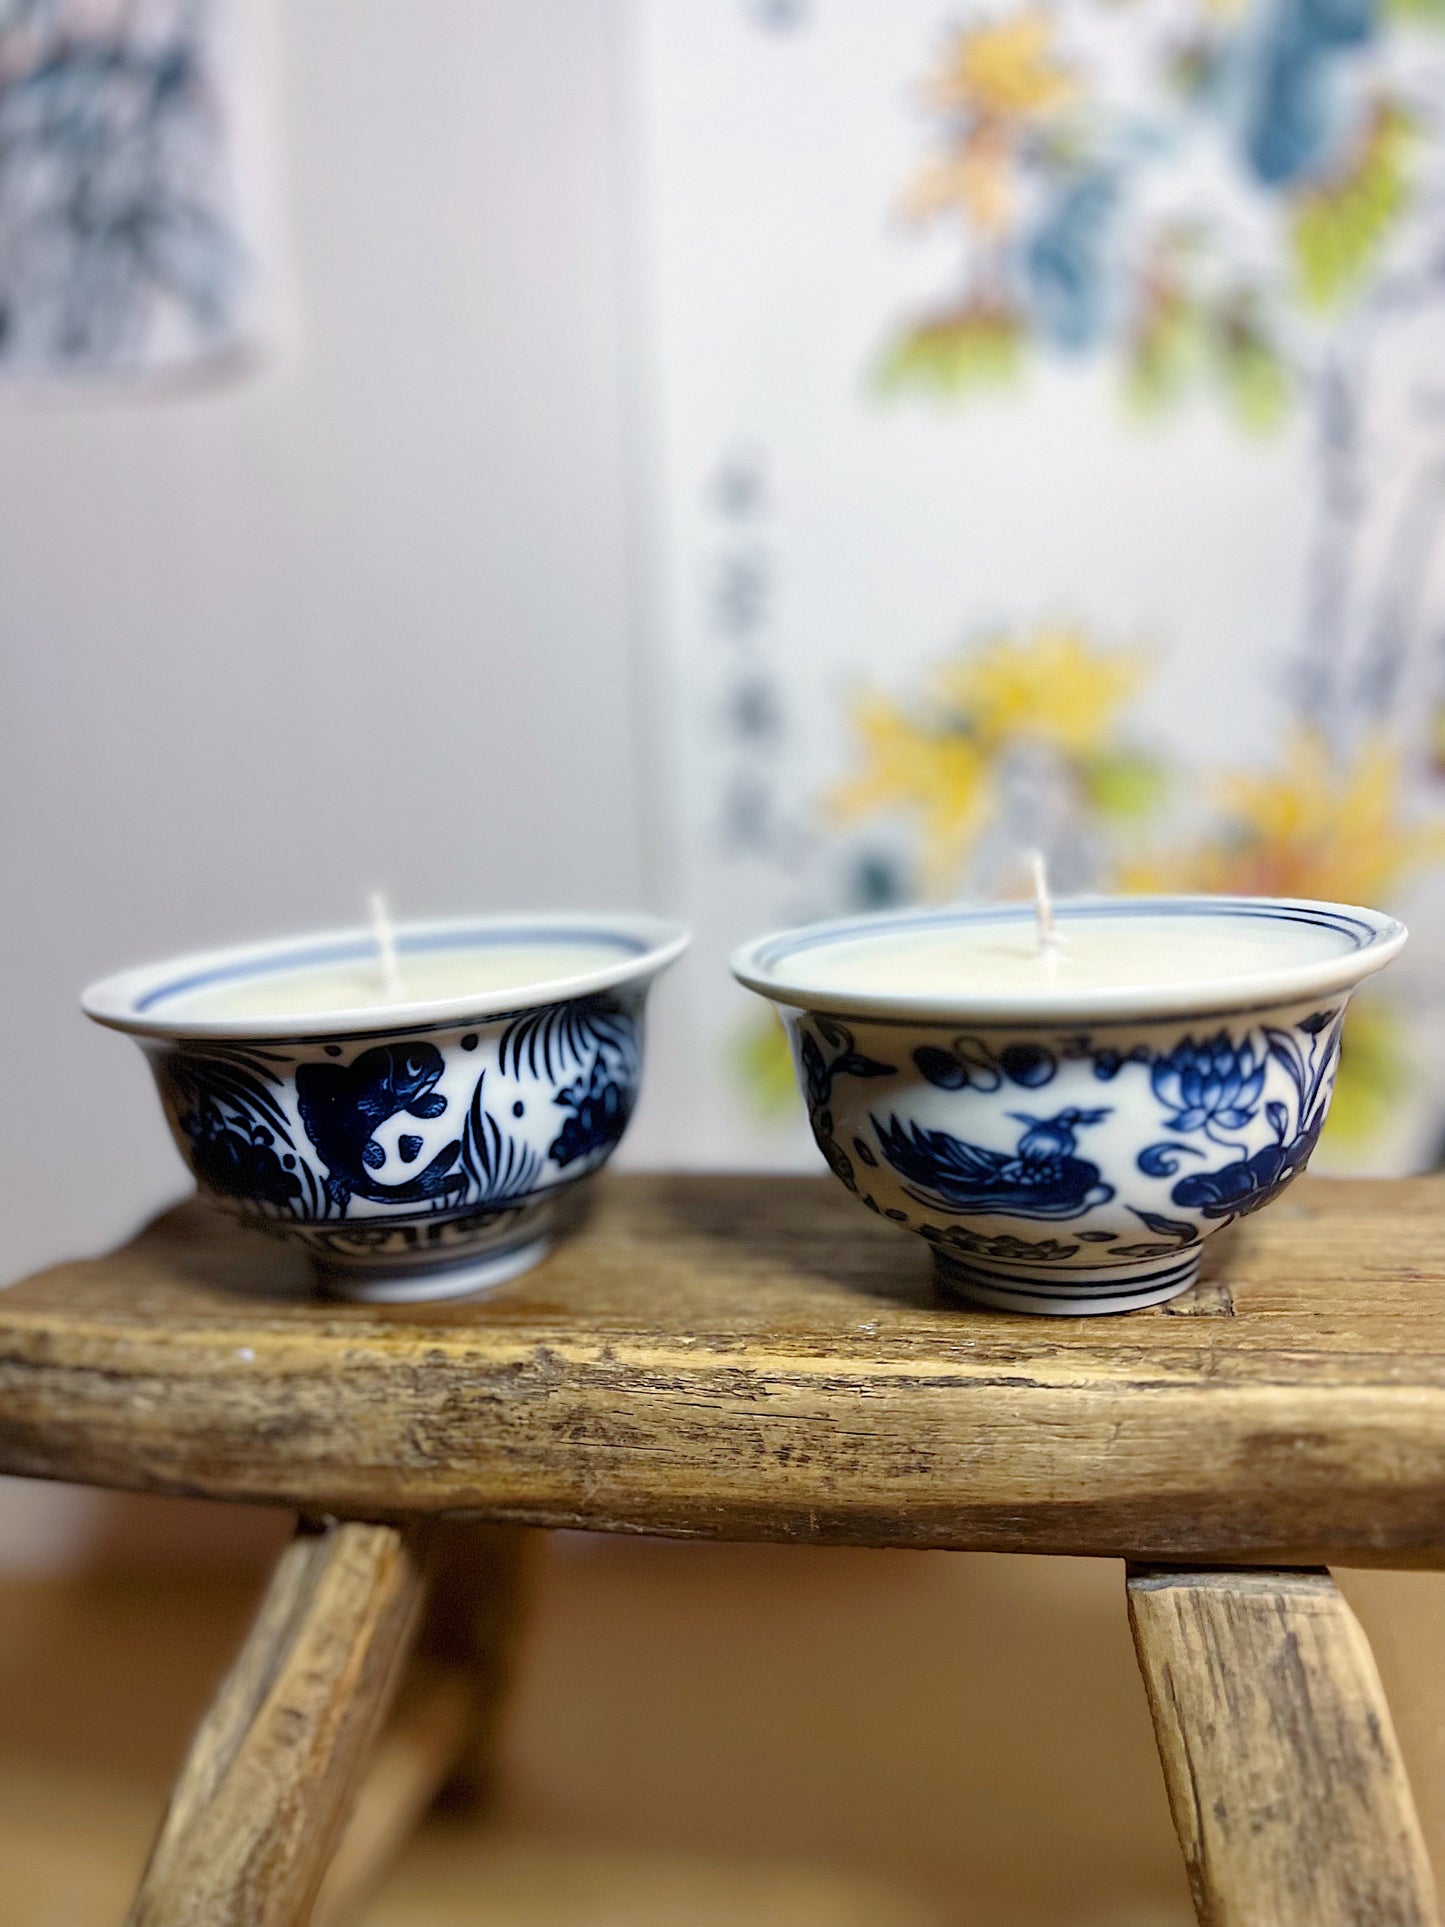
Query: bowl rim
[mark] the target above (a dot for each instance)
(127, 1000)
(1378, 939)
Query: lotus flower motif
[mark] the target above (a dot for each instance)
(1211, 1085)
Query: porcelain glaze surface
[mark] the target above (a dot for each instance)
(1075, 1166)
(444, 1143)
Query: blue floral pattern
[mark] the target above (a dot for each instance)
(1211, 1086)
(598, 1106)
(1253, 1179)
(235, 1131)
(304, 1140)
(1215, 1092)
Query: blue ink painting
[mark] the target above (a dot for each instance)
(120, 242)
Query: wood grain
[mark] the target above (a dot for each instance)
(758, 1358)
(423, 1745)
(276, 1763)
(442, 1737)
(1287, 1787)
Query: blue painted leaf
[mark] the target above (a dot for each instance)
(815, 1073)
(855, 1064)
(1278, 1117)
(1162, 1160)
(1176, 1228)
(432, 1105)
(940, 1067)
(1284, 1049)
(1314, 1025)
(1028, 1064)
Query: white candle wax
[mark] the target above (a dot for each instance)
(1121, 951)
(425, 976)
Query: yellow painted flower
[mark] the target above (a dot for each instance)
(1007, 70)
(1313, 829)
(1052, 686)
(939, 775)
(974, 176)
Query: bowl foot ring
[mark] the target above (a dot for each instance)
(463, 1278)
(1059, 1294)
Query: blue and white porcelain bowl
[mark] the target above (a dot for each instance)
(421, 1150)
(1067, 1149)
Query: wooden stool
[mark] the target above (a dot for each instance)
(751, 1358)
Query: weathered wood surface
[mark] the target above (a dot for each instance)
(442, 1737)
(743, 1357)
(277, 1761)
(1289, 1795)
(416, 1756)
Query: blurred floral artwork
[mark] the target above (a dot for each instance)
(1248, 199)
(1198, 191)
(1021, 742)
(122, 248)
(1085, 364)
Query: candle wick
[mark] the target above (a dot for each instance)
(1043, 904)
(383, 934)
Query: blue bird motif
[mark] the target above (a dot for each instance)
(1040, 1178)
(344, 1105)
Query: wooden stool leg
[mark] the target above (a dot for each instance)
(1289, 1795)
(275, 1765)
(443, 1734)
(473, 1628)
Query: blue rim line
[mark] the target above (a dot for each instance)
(282, 963)
(1362, 934)
(1061, 1027)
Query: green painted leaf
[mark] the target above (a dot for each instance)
(956, 354)
(1126, 785)
(1255, 376)
(1339, 229)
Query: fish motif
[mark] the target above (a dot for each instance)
(1040, 1178)
(344, 1105)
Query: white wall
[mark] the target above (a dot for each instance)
(361, 618)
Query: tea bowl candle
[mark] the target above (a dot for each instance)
(1066, 1121)
(414, 1119)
